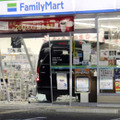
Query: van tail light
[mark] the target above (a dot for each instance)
(38, 78)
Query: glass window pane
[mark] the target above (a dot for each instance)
(109, 60)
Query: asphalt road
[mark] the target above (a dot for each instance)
(51, 114)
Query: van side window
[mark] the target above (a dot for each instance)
(44, 56)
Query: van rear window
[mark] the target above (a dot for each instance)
(60, 56)
(59, 53)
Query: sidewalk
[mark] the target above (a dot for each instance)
(88, 108)
(64, 107)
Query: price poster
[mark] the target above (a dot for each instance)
(117, 74)
(62, 81)
(106, 79)
(104, 53)
(117, 80)
(82, 84)
(106, 73)
(117, 86)
(106, 84)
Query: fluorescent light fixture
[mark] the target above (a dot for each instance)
(114, 18)
(87, 19)
(105, 26)
(93, 25)
(93, 19)
(79, 23)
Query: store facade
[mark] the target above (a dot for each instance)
(96, 25)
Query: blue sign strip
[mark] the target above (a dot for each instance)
(118, 10)
(60, 13)
(39, 14)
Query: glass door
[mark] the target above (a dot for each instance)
(84, 62)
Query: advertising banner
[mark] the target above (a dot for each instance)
(106, 79)
(57, 24)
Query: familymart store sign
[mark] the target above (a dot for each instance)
(34, 7)
(19, 8)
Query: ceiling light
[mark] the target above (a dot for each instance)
(87, 19)
(79, 23)
(115, 18)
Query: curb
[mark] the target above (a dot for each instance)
(88, 110)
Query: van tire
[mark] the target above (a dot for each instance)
(48, 97)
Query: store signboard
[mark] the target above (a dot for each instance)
(56, 24)
(106, 79)
(19, 8)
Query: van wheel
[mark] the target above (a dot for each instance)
(48, 97)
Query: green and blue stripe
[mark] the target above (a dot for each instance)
(12, 7)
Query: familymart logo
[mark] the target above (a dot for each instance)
(12, 7)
